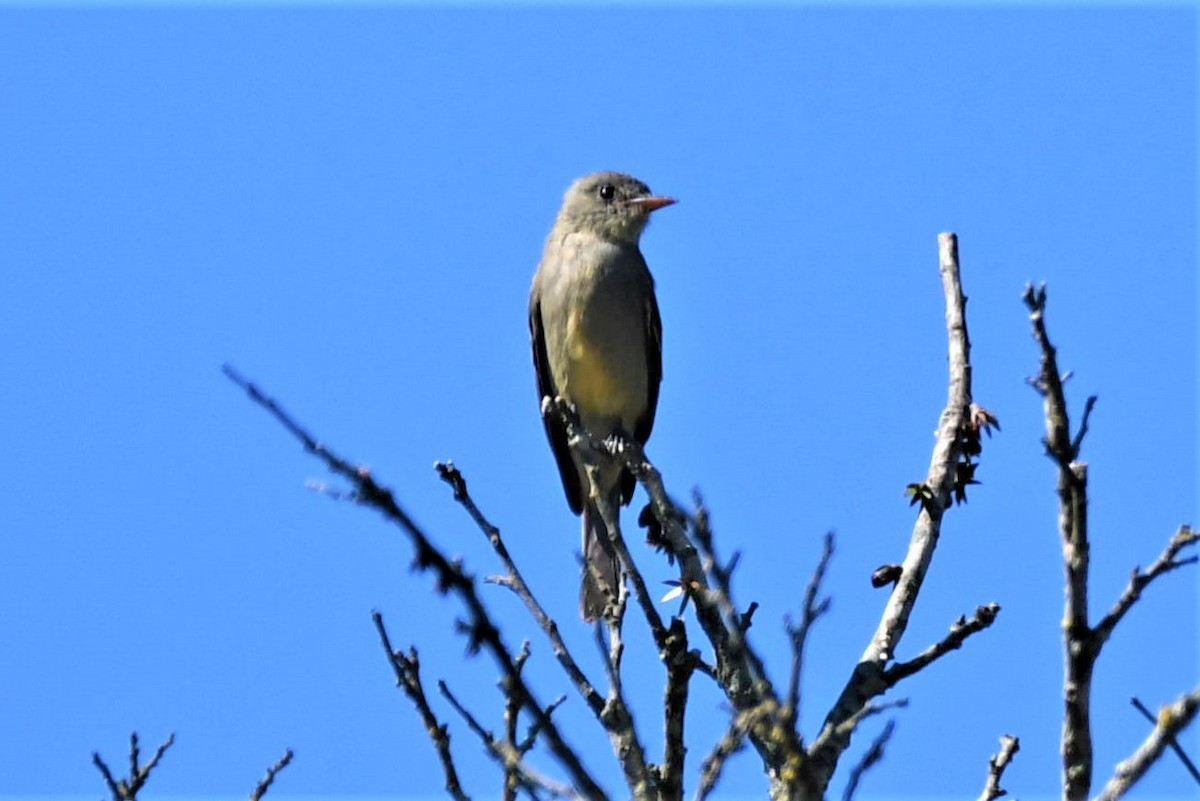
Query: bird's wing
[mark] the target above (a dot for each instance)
(547, 388)
(653, 334)
(652, 329)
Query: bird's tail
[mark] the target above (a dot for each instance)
(598, 553)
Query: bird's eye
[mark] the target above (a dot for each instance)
(608, 192)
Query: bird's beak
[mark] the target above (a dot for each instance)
(651, 203)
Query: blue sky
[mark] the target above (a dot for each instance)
(348, 205)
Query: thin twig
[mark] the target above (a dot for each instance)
(265, 784)
(407, 668)
(810, 611)
(1171, 720)
(1172, 743)
(481, 630)
(871, 757)
(128, 788)
(734, 667)
(515, 581)
(730, 743)
(960, 630)
(1138, 581)
(1009, 746)
(514, 766)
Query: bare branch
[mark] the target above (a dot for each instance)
(265, 784)
(680, 664)
(737, 670)
(1172, 744)
(992, 790)
(617, 719)
(516, 582)
(407, 668)
(847, 726)
(512, 714)
(810, 611)
(1078, 642)
(868, 680)
(1171, 720)
(1082, 643)
(1165, 563)
(583, 443)
(514, 766)
(960, 630)
(481, 631)
(730, 743)
(872, 756)
(128, 788)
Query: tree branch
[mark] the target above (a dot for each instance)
(1172, 719)
(1166, 562)
(873, 754)
(960, 630)
(481, 631)
(128, 788)
(1082, 643)
(1172, 744)
(516, 771)
(992, 790)
(1078, 642)
(810, 611)
(265, 784)
(515, 581)
(407, 668)
(868, 679)
(738, 671)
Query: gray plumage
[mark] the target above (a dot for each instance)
(597, 343)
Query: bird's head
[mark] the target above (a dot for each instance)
(611, 205)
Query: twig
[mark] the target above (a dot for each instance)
(734, 668)
(407, 668)
(1172, 743)
(680, 664)
(128, 788)
(516, 582)
(730, 743)
(1171, 720)
(960, 630)
(1009, 746)
(1165, 563)
(481, 631)
(584, 444)
(872, 756)
(265, 784)
(810, 611)
(847, 726)
(868, 679)
(512, 714)
(514, 766)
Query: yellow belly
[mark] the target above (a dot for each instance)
(596, 386)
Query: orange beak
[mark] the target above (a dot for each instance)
(651, 203)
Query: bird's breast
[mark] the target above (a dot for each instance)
(606, 374)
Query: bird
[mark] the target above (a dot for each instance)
(596, 334)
